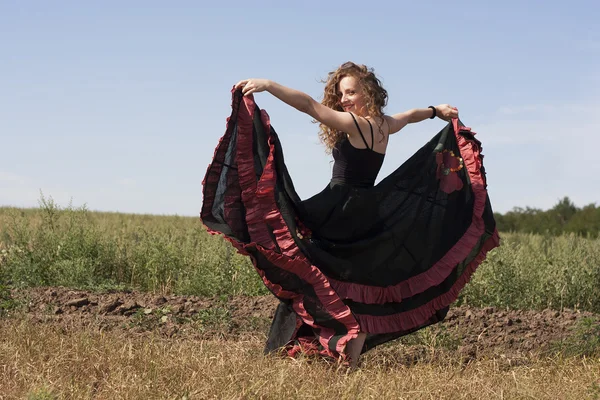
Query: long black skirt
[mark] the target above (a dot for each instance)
(386, 260)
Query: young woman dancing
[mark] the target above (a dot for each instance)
(357, 264)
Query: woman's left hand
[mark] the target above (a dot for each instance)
(250, 86)
(446, 112)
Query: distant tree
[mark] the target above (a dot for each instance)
(585, 222)
(564, 210)
(563, 217)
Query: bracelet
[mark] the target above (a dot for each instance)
(434, 112)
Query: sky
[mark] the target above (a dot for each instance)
(120, 105)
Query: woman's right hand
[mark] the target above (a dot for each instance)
(250, 86)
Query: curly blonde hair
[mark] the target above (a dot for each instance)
(371, 87)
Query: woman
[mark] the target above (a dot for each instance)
(357, 264)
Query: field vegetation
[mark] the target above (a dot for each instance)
(73, 247)
(51, 245)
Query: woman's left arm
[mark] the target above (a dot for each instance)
(443, 111)
(400, 120)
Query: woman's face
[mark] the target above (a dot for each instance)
(351, 95)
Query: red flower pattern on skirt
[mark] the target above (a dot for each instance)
(447, 167)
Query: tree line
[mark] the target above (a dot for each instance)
(564, 217)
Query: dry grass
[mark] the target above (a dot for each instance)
(45, 362)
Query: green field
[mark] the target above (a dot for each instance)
(73, 247)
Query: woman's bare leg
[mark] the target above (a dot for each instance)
(354, 347)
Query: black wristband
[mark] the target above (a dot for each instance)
(434, 112)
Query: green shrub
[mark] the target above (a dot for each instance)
(538, 271)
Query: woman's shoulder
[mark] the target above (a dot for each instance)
(381, 122)
(377, 119)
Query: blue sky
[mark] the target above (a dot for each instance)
(119, 105)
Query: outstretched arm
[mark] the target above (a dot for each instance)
(400, 120)
(341, 121)
(295, 98)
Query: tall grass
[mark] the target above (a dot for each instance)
(74, 247)
(539, 271)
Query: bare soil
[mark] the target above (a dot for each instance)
(471, 332)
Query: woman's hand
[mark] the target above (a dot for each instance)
(446, 112)
(250, 86)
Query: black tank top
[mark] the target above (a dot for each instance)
(354, 166)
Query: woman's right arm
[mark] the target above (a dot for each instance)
(341, 121)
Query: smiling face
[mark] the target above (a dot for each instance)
(351, 95)
(351, 87)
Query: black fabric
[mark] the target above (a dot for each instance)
(355, 167)
(385, 234)
(372, 341)
(282, 329)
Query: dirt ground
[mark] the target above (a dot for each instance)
(472, 332)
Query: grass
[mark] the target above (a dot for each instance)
(533, 271)
(77, 248)
(7, 303)
(583, 341)
(45, 362)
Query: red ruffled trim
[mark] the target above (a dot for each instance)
(255, 210)
(308, 348)
(266, 194)
(470, 152)
(291, 259)
(261, 211)
(418, 316)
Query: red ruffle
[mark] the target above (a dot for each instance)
(291, 259)
(418, 316)
(261, 212)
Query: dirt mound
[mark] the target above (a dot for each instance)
(470, 331)
(139, 313)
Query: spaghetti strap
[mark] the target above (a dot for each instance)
(372, 137)
(359, 131)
